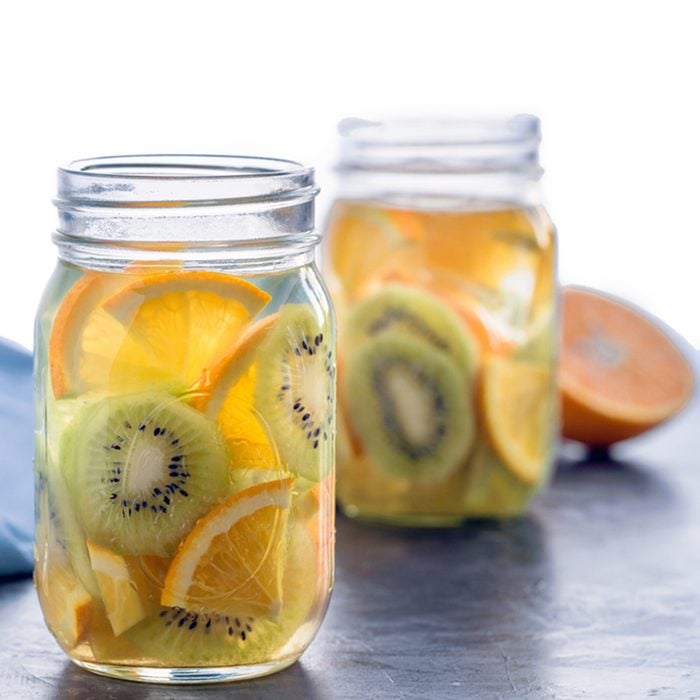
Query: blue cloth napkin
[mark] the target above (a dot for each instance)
(16, 472)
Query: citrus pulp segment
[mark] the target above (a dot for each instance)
(118, 592)
(229, 399)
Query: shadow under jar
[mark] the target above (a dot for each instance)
(441, 262)
(185, 425)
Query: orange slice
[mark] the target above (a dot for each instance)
(67, 607)
(182, 323)
(620, 375)
(517, 414)
(484, 247)
(363, 238)
(65, 601)
(161, 329)
(81, 329)
(229, 399)
(231, 562)
(119, 593)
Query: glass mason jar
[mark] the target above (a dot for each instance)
(185, 377)
(441, 264)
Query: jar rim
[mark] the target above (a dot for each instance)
(479, 144)
(415, 131)
(194, 166)
(182, 179)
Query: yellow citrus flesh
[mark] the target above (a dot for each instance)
(118, 591)
(365, 238)
(129, 332)
(620, 374)
(232, 561)
(517, 413)
(182, 323)
(229, 399)
(67, 606)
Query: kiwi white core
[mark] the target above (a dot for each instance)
(145, 467)
(412, 411)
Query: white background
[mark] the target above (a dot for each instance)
(616, 85)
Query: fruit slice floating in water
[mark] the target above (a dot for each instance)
(141, 469)
(183, 323)
(67, 605)
(119, 594)
(177, 636)
(518, 414)
(492, 490)
(163, 329)
(409, 406)
(365, 238)
(294, 391)
(620, 375)
(229, 399)
(231, 563)
(83, 335)
(413, 311)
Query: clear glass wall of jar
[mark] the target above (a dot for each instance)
(441, 262)
(185, 378)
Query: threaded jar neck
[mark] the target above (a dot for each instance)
(441, 158)
(200, 209)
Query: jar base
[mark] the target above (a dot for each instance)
(187, 676)
(423, 520)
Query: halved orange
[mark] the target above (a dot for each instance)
(620, 374)
(232, 561)
(518, 415)
(159, 329)
(228, 397)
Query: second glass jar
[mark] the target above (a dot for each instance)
(441, 263)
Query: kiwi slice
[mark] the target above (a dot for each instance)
(409, 406)
(141, 469)
(398, 307)
(295, 391)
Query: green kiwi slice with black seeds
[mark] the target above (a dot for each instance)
(295, 390)
(417, 313)
(409, 407)
(141, 469)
